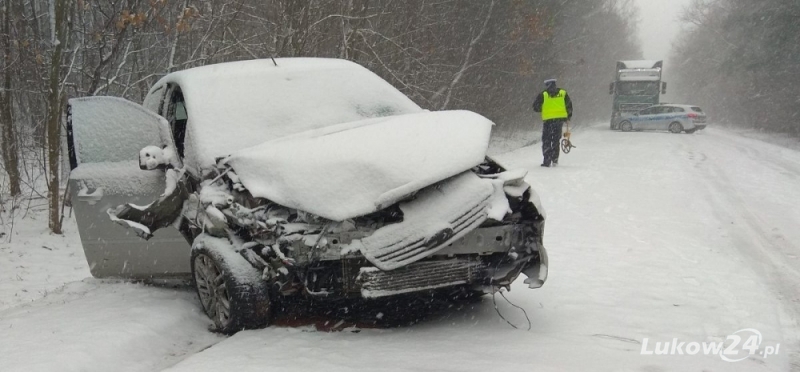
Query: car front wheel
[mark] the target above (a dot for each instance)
(230, 290)
(626, 126)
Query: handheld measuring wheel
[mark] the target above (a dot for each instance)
(566, 144)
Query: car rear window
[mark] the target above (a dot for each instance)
(696, 109)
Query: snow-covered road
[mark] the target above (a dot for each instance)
(651, 236)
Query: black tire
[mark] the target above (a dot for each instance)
(236, 281)
(626, 126)
(675, 127)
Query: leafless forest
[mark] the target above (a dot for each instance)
(486, 56)
(740, 59)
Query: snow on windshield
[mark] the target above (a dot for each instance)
(237, 105)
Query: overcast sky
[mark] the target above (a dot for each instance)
(659, 25)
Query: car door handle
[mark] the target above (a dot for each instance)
(92, 198)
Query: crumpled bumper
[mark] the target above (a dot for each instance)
(486, 259)
(528, 257)
(536, 271)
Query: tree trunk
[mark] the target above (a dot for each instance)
(8, 139)
(54, 110)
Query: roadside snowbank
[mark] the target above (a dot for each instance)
(104, 326)
(35, 262)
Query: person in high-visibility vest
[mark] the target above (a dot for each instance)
(556, 108)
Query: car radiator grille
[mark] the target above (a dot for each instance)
(438, 215)
(420, 276)
(402, 253)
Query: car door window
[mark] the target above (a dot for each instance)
(112, 129)
(155, 99)
(176, 114)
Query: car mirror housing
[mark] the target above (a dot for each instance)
(154, 157)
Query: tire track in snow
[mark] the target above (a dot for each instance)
(771, 256)
(774, 160)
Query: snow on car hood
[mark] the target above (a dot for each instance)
(357, 168)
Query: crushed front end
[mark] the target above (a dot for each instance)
(477, 230)
(501, 238)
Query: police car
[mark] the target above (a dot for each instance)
(671, 117)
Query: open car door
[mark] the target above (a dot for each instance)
(105, 135)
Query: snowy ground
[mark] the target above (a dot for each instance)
(650, 235)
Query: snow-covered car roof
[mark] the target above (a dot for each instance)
(639, 64)
(683, 105)
(236, 105)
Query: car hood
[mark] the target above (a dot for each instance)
(352, 169)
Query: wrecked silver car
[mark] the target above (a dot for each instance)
(296, 177)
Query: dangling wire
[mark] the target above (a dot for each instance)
(494, 302)
(512, 304)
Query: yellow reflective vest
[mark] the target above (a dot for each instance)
(554, 107)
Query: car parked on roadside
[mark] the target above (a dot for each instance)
(666, 116)
(268, 180)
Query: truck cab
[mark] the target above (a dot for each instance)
(636, 86)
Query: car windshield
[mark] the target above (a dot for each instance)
(637, 88)
(258, 101)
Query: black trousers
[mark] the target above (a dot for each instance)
(551, 138)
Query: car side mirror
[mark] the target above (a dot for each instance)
(664, 88)
(154, 157)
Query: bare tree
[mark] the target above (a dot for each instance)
(54, 110)
(486, 56)
(739, 60)
(8, 140)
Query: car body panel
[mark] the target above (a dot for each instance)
(107, 135)
(112, 251)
